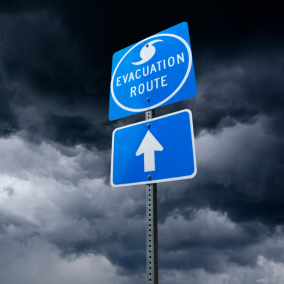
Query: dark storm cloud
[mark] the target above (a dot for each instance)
(55, 62)
(43, 69)
(40, 61)
(57, 55)
(69, 131)
(250, 87)
(8, 121)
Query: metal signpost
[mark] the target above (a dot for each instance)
(153, 72)
(152, 275)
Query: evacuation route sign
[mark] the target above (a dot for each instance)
(152, 151)
(154, 72)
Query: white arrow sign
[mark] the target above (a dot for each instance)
(148, 146)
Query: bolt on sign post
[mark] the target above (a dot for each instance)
(154, 72)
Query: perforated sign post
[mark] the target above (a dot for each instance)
(154, 72)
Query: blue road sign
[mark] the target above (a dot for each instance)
(164, 150)
(154, 72)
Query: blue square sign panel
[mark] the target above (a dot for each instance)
(154, 72)
(163, 150)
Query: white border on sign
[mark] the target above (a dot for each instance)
(173, 93)
(158, 180)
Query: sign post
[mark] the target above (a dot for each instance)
(155, 150)
(151, 234)
(154, 72)
(152, 227)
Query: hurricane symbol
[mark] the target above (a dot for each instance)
(147, 52)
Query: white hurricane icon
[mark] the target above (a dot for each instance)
(147, 52)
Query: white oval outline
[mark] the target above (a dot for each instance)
(172, 94)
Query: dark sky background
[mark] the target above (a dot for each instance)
(62, 222)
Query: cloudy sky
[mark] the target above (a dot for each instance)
(62, 222)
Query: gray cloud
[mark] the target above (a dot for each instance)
(61, 222)
(78, 214)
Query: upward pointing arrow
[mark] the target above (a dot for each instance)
(148, 146)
